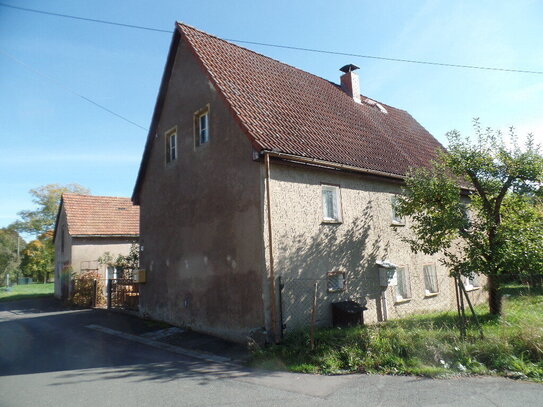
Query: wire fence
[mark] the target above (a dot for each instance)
(305, 302)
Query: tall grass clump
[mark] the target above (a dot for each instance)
(427, 345)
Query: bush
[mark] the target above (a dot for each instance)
(83, 289)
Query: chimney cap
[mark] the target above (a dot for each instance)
(348, 68)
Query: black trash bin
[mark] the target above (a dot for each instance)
(347, 313)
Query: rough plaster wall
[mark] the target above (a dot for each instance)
(62, 258)
(201, 223)
(305, 248)
(90, 249)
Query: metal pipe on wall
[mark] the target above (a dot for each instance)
(270, 248)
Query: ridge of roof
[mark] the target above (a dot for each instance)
(180, 23)
(230, 42)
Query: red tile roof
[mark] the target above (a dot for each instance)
(287, 110)
(100, 215)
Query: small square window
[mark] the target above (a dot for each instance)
(403, 287)
(336, 281)
(396, 218)
(331, 203)
(471, 282)
(201, 126)
(430, 280)
(171, 145)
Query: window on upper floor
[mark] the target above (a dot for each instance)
(397, 219)
(403, 286)
(201, 126)
(62, 241)
(171, 145)
(331, 203)
(430, 280)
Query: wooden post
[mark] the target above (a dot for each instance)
(109, 288)
(313, 316)
(472, 309)
(94, 289)
(462, 312)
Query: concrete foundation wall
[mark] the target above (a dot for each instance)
(306, 248)
(201, 219)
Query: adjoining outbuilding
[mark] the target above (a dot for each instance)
(87, 226)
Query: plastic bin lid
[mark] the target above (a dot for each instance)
(349, 306)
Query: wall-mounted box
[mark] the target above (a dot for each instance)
(140, 276)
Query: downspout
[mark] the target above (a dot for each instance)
(270, 247)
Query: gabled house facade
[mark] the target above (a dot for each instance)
(265, 189)
(88, 226)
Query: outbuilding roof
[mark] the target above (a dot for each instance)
(284, 109)
(89, 215)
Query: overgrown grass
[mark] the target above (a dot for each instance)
(19, 292)
(425, 345)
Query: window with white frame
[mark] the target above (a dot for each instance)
(171, 145)
(396, 218)
(111, 273)
(201, 126)
(430, 279)
(331, 203)
(336, 281)
(403, 287)
(471, 282)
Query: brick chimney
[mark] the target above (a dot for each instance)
(350, 82)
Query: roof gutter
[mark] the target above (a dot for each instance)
(343, 167)
(329, 164)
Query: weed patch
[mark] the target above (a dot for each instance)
(425, 345)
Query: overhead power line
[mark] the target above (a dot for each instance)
(321, 51)
(60, 84)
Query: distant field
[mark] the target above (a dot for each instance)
(19, 292)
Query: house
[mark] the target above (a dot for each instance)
(88, 226)
(263, 187)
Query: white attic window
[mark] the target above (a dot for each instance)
(372, 102)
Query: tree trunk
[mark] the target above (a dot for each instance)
(494, 295)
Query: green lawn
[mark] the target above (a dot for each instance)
(426, 345)
(19, 292)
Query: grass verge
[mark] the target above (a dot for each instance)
(19, 292)
(425, 345)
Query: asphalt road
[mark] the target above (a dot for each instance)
(49, 358)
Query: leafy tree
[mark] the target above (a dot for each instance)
(124, 264)
(38, 258)
(47, 198)
(10, 246)
(477, 206)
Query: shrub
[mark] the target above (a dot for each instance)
(83, 289)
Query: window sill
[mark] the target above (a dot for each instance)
(336, 291)
(331, 222)
(394, 223)
(430, 295)
(468, 289)
(400, 301)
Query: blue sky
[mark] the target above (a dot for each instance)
(49, 135)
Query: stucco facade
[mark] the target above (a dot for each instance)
(201, 215)
(306, 248)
